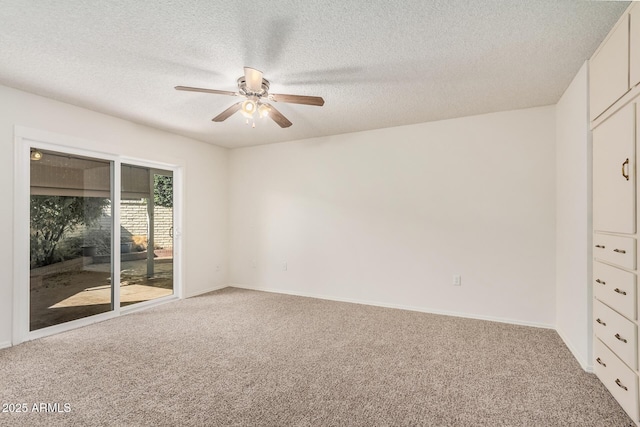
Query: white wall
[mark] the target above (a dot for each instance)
(388, 216)
(383, 217)
(573, 219)
(205, 236)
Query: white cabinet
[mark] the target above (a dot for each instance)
(609, 70)
(614, 183)
(614, 92)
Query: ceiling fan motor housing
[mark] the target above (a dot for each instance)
(245, 91)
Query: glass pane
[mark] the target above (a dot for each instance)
(146, 229)
(70, 238)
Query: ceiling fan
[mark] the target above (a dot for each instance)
(255, 88)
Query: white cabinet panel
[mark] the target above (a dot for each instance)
(634, 47)
(618, 250)
(617, 332)
(614, 183)
(616, 288)
(609, 70)
(621, 381)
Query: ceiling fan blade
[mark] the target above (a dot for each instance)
(277, 117)
(253, 79)
(298, 99)
(228, 112)
(198, 89)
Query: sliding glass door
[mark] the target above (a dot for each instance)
(146, 234)
(93, 223)
(70, 238)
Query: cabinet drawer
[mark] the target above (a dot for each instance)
(614, 169)
(617, 332)
(616, 376)
(616, 250)
(616, 288)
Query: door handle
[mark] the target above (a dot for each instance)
(602, 282)
(620, 292)
(620, 251)
(626, 175)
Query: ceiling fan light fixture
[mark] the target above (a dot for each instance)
(36, 155)
(248, 108)
(263, 110)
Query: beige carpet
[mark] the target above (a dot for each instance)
(246, 358)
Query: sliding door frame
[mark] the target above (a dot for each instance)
(24, 140)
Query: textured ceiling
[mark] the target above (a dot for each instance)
(376, 63)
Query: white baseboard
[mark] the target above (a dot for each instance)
(588, 367)
(205, 291)
(5, 344)
(399, 306)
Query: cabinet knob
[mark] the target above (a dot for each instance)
(600, 246)
(602, 282)
(601, 362)
(624, 340)
(620, 251)
(620, 384)
(601, 322)
(619, 291)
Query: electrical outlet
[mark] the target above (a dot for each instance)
(457, 280)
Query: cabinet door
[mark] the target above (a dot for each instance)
(609, 70)
(614, 183)
(634, 46)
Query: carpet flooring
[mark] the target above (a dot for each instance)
(246, 358)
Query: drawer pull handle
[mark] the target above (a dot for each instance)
(601, 362)
(601, 322)
(600, 246)
(620, 384)
(620, 251)
(626, 175)
(620, 338)
(602, 282)
(619, 291)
